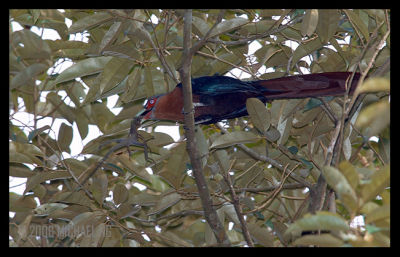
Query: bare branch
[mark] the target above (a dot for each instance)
(238, 208)
(185, 73)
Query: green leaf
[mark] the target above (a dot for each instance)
(358, 23)
(261, 234)
(323, 240)
(150, 91)
(309, 23)
(74, 198)
(382, 212)
(320, 221)
(328, 22)
(21, 203)
(48, 208)
(223, 160)
(24, 153)
(350, 173)
(373, 229)
(110, 36)
(228, 25)
(65, 137)
(374, 118)
(174, 170)
(305, 49)
(258, 27)
(83, 68)
(259, 114)
(23, 228)
(120, 193)
(134, 167)
(64, 110)
(341, 186)
(272, 134)
(41, 177)
(33, 46)
(236, 137)
(373, 85)
(132, 85)
(200, 27)
(82, 124)
(101, 116)
(20, 171)
(27, 75)
(379, 181)
(165, 202)
(114, 72)
(99, 187)
(127, 209)
(89, 22)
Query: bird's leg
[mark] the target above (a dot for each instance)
(132, 140)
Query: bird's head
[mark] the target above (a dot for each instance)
(146, 112)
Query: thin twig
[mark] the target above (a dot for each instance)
(267, 159)
(238, 208)
(275, 192)
(252, 38)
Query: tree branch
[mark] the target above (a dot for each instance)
(185, 73)
(238, 208)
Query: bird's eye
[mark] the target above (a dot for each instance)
(148, 104)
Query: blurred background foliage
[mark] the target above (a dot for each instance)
(134, 54)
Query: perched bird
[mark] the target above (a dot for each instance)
(216, 98)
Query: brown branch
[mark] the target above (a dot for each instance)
(210, 213)
(275, 192)
(238, 208)
(270, 188)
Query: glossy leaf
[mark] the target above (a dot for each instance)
(328, 22)
(374, 118)
(165, 202)
(382, 212)
(341, 186)
(115, 71)
(320, 221)
(350, 173)
(228, 25)
(305, 49)
(99, 187)
(323, 240)
(65, 137)
(374, 85)
(27, 75)
(261, 234)
(310, 22)
(83, 68)
(259, 114)
(89, 22)
(120, 194)
(358, 23)
(379, 181)
(236, 137)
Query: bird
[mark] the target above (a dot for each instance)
(217, 97)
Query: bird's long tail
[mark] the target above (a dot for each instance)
(310, 85)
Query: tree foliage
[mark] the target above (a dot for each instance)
(268, 163)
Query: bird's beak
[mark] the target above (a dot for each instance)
(143, 120)
(142, 113)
